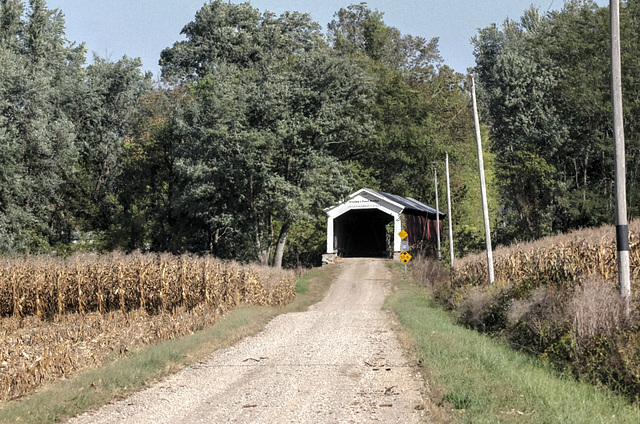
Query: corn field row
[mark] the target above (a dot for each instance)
(60, 316)
(557, 261)
(49, 287)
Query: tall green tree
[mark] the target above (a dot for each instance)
(62, 129)
(105, 113)
(39, 71)
(405, 143)
(147, 217)
(358, 30)
(271, 103)
(530, 131)
(421, 110)
(545, 87)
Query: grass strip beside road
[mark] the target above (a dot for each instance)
(482, 380)
(123, 376)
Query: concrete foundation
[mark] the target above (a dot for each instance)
(328, 258)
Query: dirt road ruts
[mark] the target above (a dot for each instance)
(339, 362)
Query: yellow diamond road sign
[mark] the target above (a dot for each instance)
(405, 257)
(403, 234)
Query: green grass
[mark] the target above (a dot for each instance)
(302, 282)
(120, 377)
(482, 380)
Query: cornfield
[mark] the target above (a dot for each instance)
(556, 261)
(62, 315)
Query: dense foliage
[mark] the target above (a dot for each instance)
(62, 128)
(260, 121)
(545, 86)
(269, 103)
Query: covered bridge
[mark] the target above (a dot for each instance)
(368, 221)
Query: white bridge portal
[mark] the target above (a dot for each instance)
(368, 221)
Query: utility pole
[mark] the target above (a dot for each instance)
(451, 256)
(622, 224)
(435, 176)
(483, 189)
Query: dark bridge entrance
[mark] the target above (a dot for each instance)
(362, 232)
(368, 223)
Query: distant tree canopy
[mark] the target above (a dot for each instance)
(421, 110)
(545, 87)
(269, 104)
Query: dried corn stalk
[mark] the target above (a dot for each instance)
(61, 315)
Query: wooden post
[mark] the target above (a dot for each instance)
(435, 176)
(483, 189)
(622, 224)
(451, 256)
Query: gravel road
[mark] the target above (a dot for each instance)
(339, 362)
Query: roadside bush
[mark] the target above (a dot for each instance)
(484, 308)
(583, 331)
(596, 309)
(472, 311)
(538, 324)
(626, 357)
(429, 272)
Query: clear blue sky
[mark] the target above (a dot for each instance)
(143, 28)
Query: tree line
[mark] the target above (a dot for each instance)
(257, 123)
(260, 121)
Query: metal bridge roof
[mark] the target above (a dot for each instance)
(409, 203)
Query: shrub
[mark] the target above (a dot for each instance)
(429, 272)
(474, 309)
(596, 309)
(538, 324)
